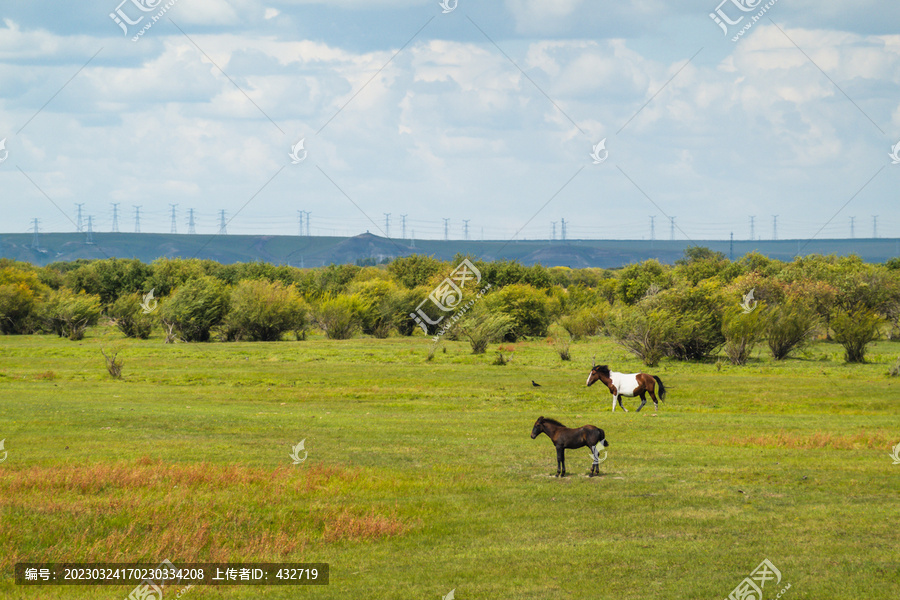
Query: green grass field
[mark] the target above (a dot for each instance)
(421, 476)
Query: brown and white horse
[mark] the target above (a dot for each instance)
(628, 384)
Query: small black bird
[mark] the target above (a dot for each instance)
(535, 384)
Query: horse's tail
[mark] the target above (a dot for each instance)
(602, 435)
(662, 388)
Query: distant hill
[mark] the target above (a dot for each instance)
(318, 251)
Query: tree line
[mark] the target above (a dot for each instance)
(696, 309)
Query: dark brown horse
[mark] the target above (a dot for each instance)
(632, 384)
(563, 437)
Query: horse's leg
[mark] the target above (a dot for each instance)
(643, 401)
(595, 454)
(560, 461)
(655, 401)
(614, 403)
(619, 397)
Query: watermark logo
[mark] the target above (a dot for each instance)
(895, 455)
(723, 19)
(448, 296)
(449, 6)
(4, 153)
(5, 453)
(895, 153)
(751, 587)
(152, 588)
(749, 304)
(121, 18)
(600, 152)
(452, 593)
(146, 304)
(596, 454)
(297, 450)
(296, 157)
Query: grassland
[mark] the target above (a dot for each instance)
(421, 476)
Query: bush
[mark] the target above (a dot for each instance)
(339, 317)
(482, 326)
(527, 308)
(260, 310)
(382, 306)
(585, 321)
(129, 317)
(20, 290)
(643, 330)
(195, 307)
(696, 313)
(413, 271)
(790, 326)
(742, 332)
(17, 308)
(68, 314)
(636, 280)
(855, 330)
(109, 278)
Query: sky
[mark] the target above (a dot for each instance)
(418, 119)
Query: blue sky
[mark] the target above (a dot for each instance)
(487, 113)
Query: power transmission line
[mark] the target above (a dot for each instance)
(115, 227)
(191, 229)
(137, 218)
(222, 225)
(174, 228)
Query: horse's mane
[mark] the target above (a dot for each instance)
(603, 369)
(553, 422)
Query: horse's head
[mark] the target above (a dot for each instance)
(596, 372)
(538, 428)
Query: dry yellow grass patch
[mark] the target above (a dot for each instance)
(818, 439)
(148, 510)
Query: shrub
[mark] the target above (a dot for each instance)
(855, 330)
(742, 332)
(382, 306)
(260, 310)
(113, 364)
(696, 313)
(68, 314)
(339, 317)
(790, 326)
(635, 280)
(642, 330)
(109, 278)
(527, 308)
(129, 317)
(413, 271)
(20, 290)
(585, 321)
(195, 307)
(482, 326)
